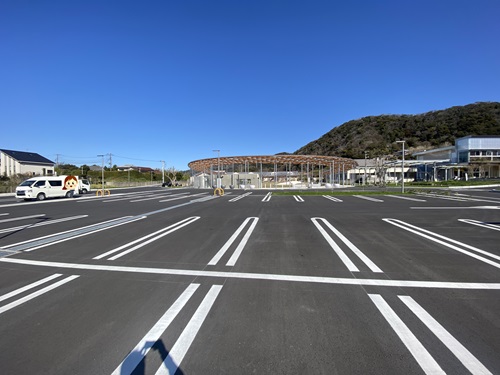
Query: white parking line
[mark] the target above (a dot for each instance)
(239, 197)
(480, 224)
(49, 222)
(149, 198)
(52, 239)
(147, 342)
(463, 355)
(343, 257)
(36, 294)
(368, 198)
(421, 355)
(372, 266)
(406, 198)
(30, 286)
(21, 218)
(183, 343)
(262, 276)
(332, 198)
(239, 249)
(183, 197)
(437, 238)
(167, 230)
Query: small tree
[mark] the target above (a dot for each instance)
(172, 175)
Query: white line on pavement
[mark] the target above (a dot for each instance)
(343, 257)
(183, 197)
(36, 294)
(267, 198)
(332, 198)
(181, 346)
(422, 233)
(148, 198)
(458, 208)
(298, 198)
(480, 224)
(28, 287)
(368, 198)
(167, 230)
(372, 266)
(406, 198)
(239, 197)
(261, 276)
(68, 232)
(49, 222)
(232, 261)
(142, 348)
(21, 218)
(421, 355)
(230, 241)
(463, 355)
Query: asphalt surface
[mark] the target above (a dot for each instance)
(157, 281)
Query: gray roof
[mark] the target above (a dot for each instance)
(27, 157)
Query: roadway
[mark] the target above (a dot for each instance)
(158, 281)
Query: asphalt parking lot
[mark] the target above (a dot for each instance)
(158, 281)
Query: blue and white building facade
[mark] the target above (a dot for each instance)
(472, 156)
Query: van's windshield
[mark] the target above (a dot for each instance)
(28, 183)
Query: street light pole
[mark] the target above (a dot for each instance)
(162, 172)
(218, 167)
(366, 154)
(102, 168)
(402, 168)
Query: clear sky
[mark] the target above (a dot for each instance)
(174, 80)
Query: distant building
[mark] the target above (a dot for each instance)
(24, 163)
(135, 168)
(476, 156)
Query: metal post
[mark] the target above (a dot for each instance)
(402, 168)
(162, 172)
(102, 168)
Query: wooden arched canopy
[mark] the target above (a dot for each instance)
(205, 164)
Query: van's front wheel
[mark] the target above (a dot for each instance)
(40, 197)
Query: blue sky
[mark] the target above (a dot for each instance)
(174, 80)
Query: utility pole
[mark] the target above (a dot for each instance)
(366, 155)
(102, 167)
(402, 168)
(218, 167)
(162, 172)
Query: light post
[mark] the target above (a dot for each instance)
(402, 167)
(366, 155)
(102, 168)
(218, 167)
(162, 172)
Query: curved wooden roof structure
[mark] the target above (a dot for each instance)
(204, 164)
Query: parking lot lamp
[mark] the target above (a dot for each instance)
(402, 167)
(102, 168)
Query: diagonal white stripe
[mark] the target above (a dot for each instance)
(463, 355)
(422, 356)
(142, 348)
(180, 348)
(36, 294)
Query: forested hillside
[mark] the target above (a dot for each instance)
(378, 134)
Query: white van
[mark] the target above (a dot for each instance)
(43, 187)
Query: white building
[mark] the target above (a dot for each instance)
(24, 163)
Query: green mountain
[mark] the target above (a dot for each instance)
(378, 134)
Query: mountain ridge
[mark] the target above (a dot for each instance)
(378, 134)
